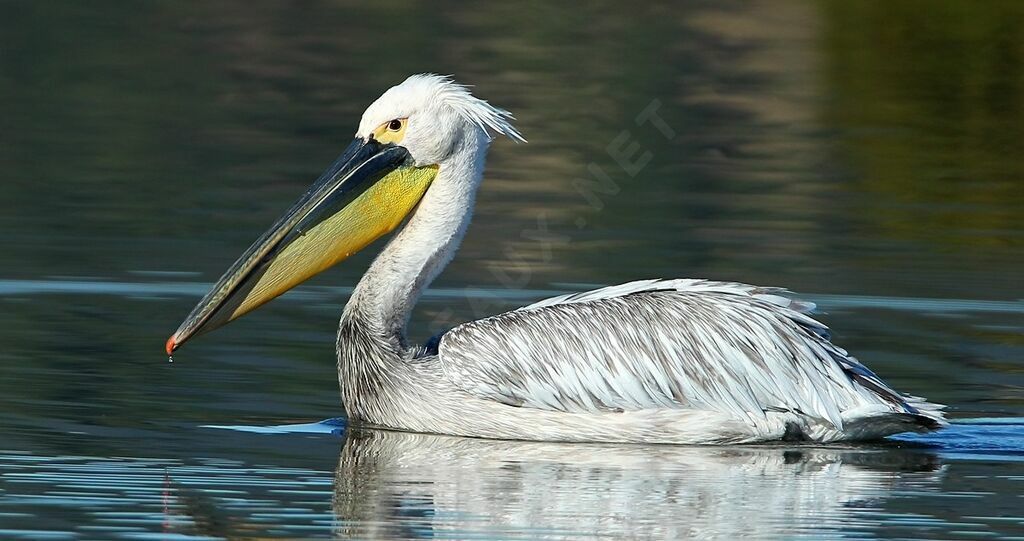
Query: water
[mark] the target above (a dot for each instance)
(866, 155)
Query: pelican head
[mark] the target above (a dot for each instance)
(409, 134)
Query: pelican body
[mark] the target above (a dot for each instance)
(655, 361)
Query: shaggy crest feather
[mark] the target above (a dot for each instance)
(473, 109)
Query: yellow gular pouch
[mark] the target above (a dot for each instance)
(376, 212)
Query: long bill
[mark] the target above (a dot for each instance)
(363, 195)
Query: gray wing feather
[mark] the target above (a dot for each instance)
(663, 344)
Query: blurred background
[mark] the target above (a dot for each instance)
(866, 155)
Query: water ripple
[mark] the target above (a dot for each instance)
(14, 288)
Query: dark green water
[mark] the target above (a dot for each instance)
(867, 155)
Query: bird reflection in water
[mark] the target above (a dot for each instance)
(395, 484)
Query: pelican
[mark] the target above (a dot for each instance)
(676, 361)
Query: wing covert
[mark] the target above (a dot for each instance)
(661, 344)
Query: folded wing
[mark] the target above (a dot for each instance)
(665, 344)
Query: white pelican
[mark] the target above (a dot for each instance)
(654, 361)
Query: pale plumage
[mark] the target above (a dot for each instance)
(656, 361)
(725, 347)
(664, 361)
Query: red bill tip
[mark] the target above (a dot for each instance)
(171, 345)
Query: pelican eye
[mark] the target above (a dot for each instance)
(391, 131)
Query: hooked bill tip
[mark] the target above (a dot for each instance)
(171, 345)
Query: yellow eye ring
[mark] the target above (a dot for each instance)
(391, 131)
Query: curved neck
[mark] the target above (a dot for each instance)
(384, 298)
